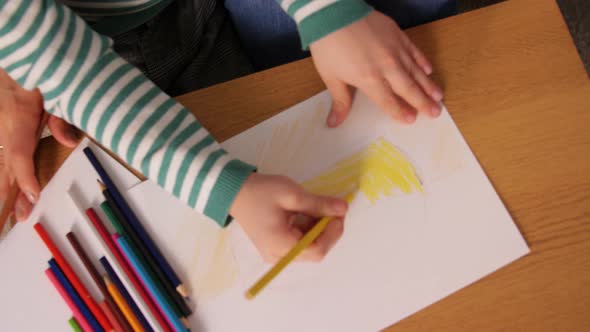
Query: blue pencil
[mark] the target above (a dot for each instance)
(65, 283)
(117, 282)
(149, 283)
(135, 224)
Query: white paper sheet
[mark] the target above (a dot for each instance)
(397, 255)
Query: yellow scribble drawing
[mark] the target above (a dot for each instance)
(221, 272)
(213, 268)
(376, 171)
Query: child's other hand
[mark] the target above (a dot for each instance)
(20, 114)
(375, 56)
(275, 212)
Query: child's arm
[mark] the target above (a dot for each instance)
(317, 18)
(46, 46)
(354, 46)
(82, 80)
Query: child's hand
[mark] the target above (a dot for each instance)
(20, 114)
(375, 56)
(271, 211)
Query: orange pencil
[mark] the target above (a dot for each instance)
(118, 315)
(120, 301)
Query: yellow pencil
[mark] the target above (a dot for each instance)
(305, 241)
(120, 301)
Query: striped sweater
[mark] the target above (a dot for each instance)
(45, 45)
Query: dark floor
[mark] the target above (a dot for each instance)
(575, 12)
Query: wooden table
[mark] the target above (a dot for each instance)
(518, 92)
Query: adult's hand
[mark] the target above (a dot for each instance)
(20, 115)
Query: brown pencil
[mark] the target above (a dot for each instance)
(98, 281)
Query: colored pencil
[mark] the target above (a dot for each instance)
(74, 325)
(179, 303)
(124, 293)
(109, 311)
(72, 277)
(134, 221)
(117, 314)
(303, 243)
(14, 190)
(123, 305)
(123, 269)
(117, 219)
(67, 286)
(69, 301)
(115, 237)
(176, 322)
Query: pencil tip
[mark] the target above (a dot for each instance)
(185, 322)
(181, 289)
(101, 185)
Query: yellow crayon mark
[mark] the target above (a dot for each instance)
(376, 171)
(221, 270)
(211, 266)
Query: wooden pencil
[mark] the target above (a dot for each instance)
(124, 293)
(117, 314)
(138, 244)
(109, 311)
(139, 293)
(14, 190)
(67, 299)
(117, 219)
(174, 319)
(134, 221)
(72, 277)
(115, 237)
(67, 286)
(123, 305)
(74, 325)
(303, 243)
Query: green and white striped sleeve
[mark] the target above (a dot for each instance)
(317, 18)
(45, 45)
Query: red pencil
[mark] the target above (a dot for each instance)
(64, 294)
(104, 234)
(73, 278)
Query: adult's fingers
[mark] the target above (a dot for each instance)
(409, 89)
(23, 168)
(18, 131)
(4, 183)
(63, 132)
(380, 92)
(22, 208)
(325, 242)
(341, 102)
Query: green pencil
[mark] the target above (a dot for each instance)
(114, 220)
(74, 324)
